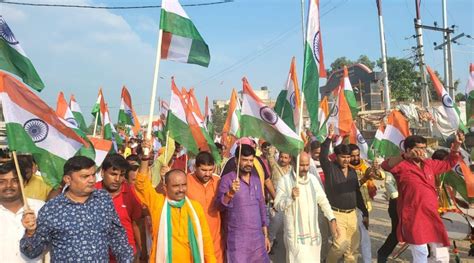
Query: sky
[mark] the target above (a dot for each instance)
(79, 50)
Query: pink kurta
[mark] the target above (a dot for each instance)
(417, 207)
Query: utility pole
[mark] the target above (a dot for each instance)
(425, 99)
(446, 49)
(386, 89)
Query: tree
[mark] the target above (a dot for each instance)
(219, 116)
(460, 97)
(340, 62)
(404, 81)
(363, 59)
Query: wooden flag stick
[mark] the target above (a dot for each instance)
(238, 161)
(166, 147)
(20, 178)
(95, 123)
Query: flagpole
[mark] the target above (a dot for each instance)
(20, 179)
(166, 147)
(155, 84)
(386, 90)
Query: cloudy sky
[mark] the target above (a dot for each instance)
(79, 50)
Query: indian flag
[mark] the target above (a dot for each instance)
(452, 111)
(96, 109)
(232, 122)
(349, 94)
(470, 97)
(341, 117)
(323, 116)
(288, 101)
(77, 112)
(159, 129)
(394, 135)
(127, 114)
(375, 147)
(181, 40)
(208, 118)
(313, 65)
(102, 148)
(14, 59)
(177, 122)
(357, 139)
(64, 112)
(33, 127)
(259, 120)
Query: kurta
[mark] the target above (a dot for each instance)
(311, 194)
(246, 216)
(206, 196)
(179, 220)
(419, 222)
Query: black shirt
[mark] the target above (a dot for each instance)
(342, 192)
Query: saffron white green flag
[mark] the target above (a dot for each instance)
(259, 120)
(394, 135)
(288, 101)
(14, 59)
(96, 109)
(313, 65)
(375, 147)
(232, 122)
(127, 114)
(349, 94)
(33, 127)
(77, 112)
(181, 40)
(470, 97)
(356, 138)
(449, 106)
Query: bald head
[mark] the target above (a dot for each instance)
(304, 164)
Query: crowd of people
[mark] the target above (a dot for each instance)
(138, 208)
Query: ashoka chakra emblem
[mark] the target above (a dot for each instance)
(37, 129)
(401, 145)
(293, 100)
(360, 139)
(335, 111)
(268, 115)
(316, 39)
(6, 33)
(458, 170)
(447, 101)
(72, 121)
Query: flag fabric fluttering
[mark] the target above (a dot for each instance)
(102, 148)
(181, 40)
(470, 97)
(323, 116)
(159, 130)
(77, 112)
(357, 139)
(314, 69)
(108, 129)
(341, 117)
(394, 135)
(259, 120)
(208, 118)
(13, 58)
(449, 106)
(127, 115)
(33, 127)
(349, 93)
(287, 105)
(232, 122)
(63, 111)
(96, 108)
(375, 147)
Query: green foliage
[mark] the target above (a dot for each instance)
(340, 62)
(403, 80)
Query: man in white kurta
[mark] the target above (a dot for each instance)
(306, 195)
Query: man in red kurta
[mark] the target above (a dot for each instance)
(419, 222)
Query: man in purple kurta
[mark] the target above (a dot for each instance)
(245, 219)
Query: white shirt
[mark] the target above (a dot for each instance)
(12, 230)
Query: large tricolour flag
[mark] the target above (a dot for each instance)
(452, 111)
(313, 64)
(33, 127)
(64, 112)
(394, 135)
(470, 97)
(14, 59)
(259, 120)
(288, 101)
(127, 114)
(181, 40)
(349, 94)
(77, 112)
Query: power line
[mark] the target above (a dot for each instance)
(106, 7)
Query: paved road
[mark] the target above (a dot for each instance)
(379, 230)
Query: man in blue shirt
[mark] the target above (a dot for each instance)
(80, 224)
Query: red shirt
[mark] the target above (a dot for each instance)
(128, 208)
(180, 163)
(417, 206)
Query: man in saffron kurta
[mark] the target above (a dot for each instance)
(202, 187)
(175, 212)
(240, 196)
(419, 222)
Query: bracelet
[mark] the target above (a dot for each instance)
(145, 159)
